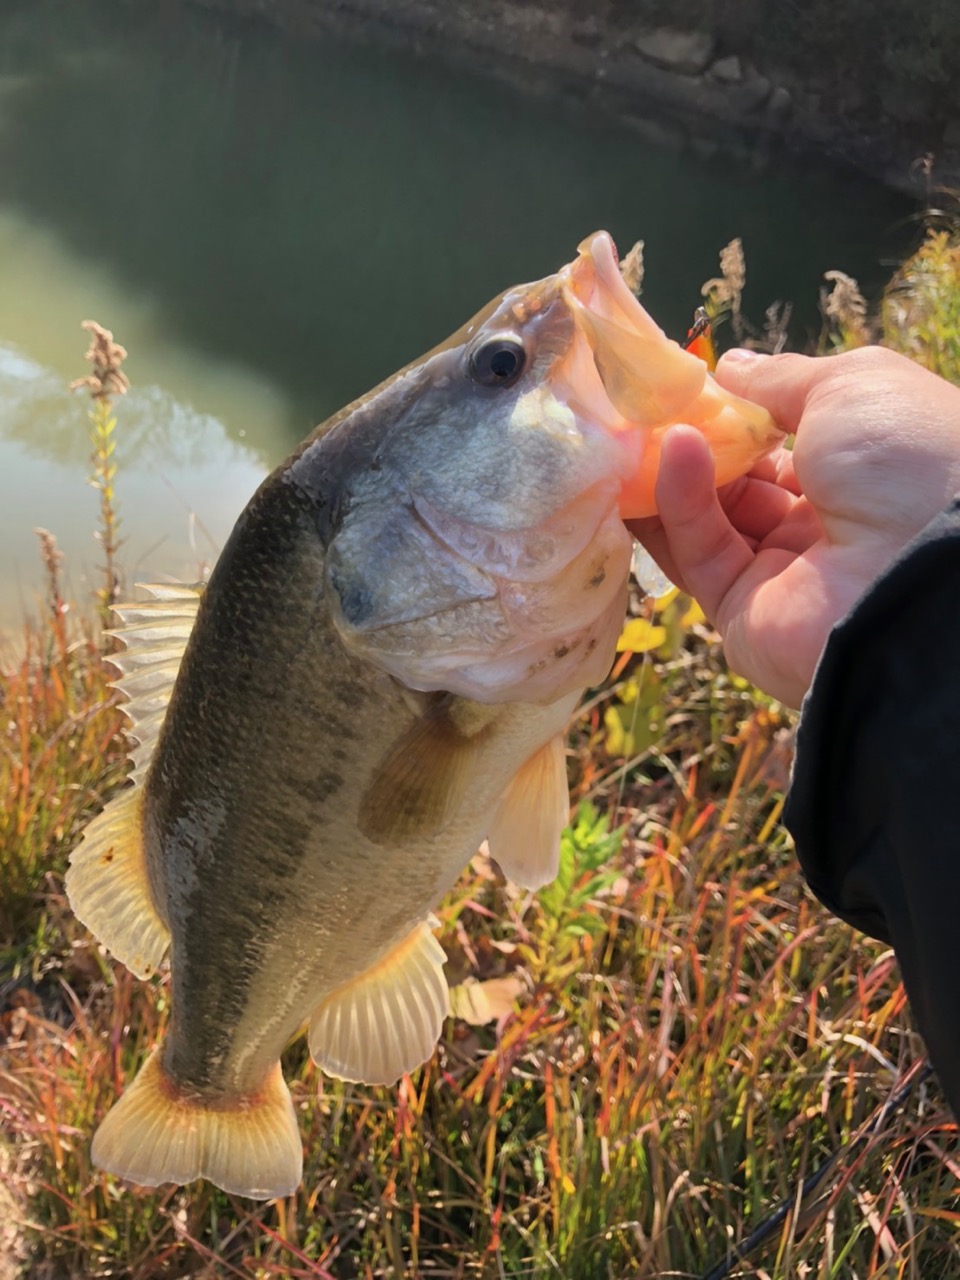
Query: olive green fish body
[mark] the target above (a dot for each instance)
(254, 802)
(376, 679)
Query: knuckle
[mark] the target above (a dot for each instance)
(869, 360)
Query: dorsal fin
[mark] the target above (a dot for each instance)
(154, 635)
(109, 887)
(107, 880)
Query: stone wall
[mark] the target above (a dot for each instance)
(661, 79)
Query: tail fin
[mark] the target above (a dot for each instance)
(159, 1133)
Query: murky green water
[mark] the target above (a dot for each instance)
(272, 226)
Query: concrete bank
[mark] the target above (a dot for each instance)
(675, 85)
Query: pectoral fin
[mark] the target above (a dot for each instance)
(525, 836)
(388, 1020)
(420, 784)
(109, 890)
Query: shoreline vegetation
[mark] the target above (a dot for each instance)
(648, 1057)
(871, 84)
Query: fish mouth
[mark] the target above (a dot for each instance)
(594, 275)
(641, 378)
(630, 382)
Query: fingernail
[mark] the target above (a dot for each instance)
(742, 357)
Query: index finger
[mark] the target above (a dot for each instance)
(785, 384)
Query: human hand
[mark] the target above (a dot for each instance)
(778, 557)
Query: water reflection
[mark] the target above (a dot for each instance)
(47, 292)
(183, 476)
(180, 488)
(273, 226)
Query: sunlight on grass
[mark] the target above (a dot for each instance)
(694, 1035)
(921, 306)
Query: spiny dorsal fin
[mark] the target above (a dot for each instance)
(525, 836)
(154, 634)
(107, 881)
(388, 1020)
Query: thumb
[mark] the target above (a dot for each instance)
(704, 548)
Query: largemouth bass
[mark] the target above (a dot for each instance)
(377, 677)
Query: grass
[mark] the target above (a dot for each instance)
(693, 1038)
(921, 307)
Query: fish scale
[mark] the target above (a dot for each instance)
(377, 676)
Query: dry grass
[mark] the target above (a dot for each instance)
(695, 1035)
(921, 306)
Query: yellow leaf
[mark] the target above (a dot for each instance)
(661, 602)
(618, 737)
(481, 1002)
(567, 1184)
(640, 636)
(693, 616)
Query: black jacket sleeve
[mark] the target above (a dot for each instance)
(874, 804)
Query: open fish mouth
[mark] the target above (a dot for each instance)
(625, 375)
(641, 378)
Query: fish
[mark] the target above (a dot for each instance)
(377, 676)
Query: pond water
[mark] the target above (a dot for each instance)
(272, 226)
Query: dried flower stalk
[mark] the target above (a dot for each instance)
(106, 357)
(104, 382)
(52, 558)
(724, 292)
(631, 268)
(845, 309)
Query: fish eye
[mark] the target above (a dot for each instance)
(498, 362)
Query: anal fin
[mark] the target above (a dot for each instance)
(159, 1133)
(388, 1020)
(534, 809)
(109, 890)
